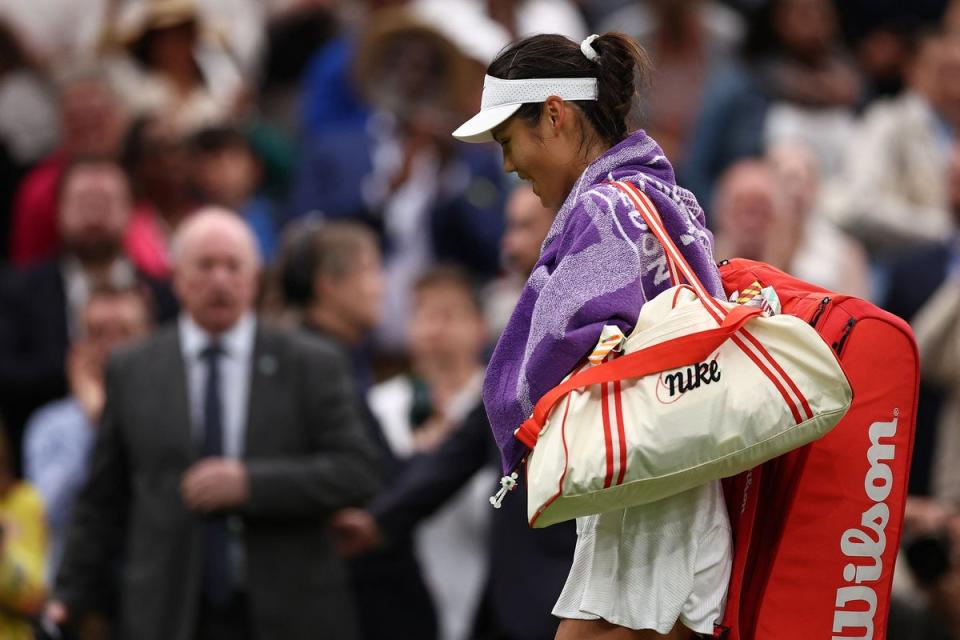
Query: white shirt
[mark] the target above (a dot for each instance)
(237, 344)
(78, 285)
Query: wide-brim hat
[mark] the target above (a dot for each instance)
(153, 15)
(389, 24)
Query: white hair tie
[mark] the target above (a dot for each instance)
(587, 48)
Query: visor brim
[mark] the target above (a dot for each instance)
(479, 127)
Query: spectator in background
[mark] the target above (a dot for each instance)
(228, 174)
(892, 194)
(28, 114)
(294, 37)
(813, 249)
(332, 273)
(228, 444)
(158, 161)
(749, 208)
(932, 517)
(687, 42)
(883, 55)
(163, 40)
(431, 198)
(528, 222)
(22, 553)
(521, 18)
(28, 121)
(418, 412)
(92, 124)
(924, 288)
(330, 97)
(59, 436)
(765, 209)
(915, 281)
(42, 306)
(536, 561)
(792, 80)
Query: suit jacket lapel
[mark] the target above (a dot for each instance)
(264, 389)
(171, 383)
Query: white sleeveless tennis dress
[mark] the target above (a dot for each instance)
(646, 567)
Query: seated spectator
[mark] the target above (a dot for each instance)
(92, 124)
(523, 18)
(815, 250)
(163, 40)
(418, 412)
(892, 193)
(687, 42)
(29, 124)
(792, 79)
(528, 222)
(228, 174)
(922, 289)
(748, 210)
(431, 198)
(42, 306)
(156, 157)
(59, 436)
(23, 552)
(332, 274)
(294, 35)
(765, 210)
(28, 121)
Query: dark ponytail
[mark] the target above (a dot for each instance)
(621, 69)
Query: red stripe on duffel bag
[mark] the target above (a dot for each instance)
(760, 365)
(620, 430)
(607, 434)
(808, 413)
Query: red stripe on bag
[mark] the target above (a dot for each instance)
(644, 205)
(776, 365)
(620, 431)
(640, 199)
(760, 365)
(607, 434)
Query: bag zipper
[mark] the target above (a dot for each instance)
(819, 312)
(841, 343)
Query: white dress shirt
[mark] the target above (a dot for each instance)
(237, 345)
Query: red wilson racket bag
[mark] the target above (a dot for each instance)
(816, 531)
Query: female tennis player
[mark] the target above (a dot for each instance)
(560, 111)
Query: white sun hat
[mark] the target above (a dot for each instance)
(501, 99)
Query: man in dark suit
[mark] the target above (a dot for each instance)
(224, 447)
(40, 306)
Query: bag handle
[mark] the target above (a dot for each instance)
(677, 264)
(665, 356)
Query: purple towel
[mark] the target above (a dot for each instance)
(598, 265)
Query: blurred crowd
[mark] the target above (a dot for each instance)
(168, 164)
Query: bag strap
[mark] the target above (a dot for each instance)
(676, 263)
(665, 356)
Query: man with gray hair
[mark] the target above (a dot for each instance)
(225, 446)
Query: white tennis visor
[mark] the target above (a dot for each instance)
(501, 99)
